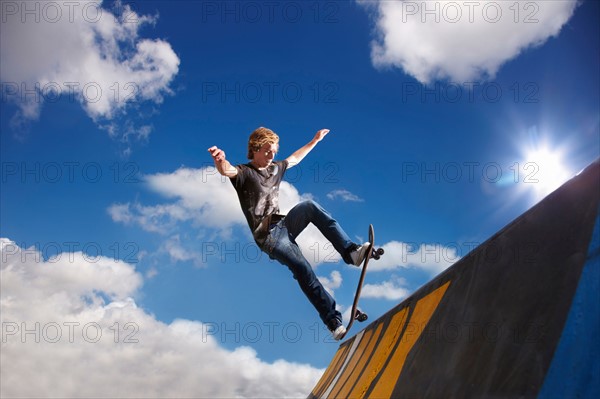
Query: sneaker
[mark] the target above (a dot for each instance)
(339, 332)
(337, 328)
(359, 254)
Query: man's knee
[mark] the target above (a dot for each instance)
(308, 203)
(311, 206)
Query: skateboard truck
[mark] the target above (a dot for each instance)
(360, 315)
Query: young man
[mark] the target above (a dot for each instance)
(257, 186)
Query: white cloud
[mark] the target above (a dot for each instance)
(332, 283)
(345, 312)
(71, 328)
(432, 258)
(344, 195)
(460, 40)
(85, 53)
(393, 290)
(178, 253)
(201, 196)
(156, 218)
(289, 197)
(209, 202)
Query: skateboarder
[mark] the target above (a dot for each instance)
(257, 186)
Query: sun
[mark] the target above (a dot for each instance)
(544, 170)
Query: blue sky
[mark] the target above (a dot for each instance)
(447, 122)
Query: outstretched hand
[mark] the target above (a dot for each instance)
(217, 154)
(320, 134)
(222, 164)
(299, 155)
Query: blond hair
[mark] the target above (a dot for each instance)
(260, 137)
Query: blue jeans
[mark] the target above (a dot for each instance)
(281, 245)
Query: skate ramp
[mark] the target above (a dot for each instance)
(517, 317)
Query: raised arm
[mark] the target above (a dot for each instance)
(222, 164)
(299, 155)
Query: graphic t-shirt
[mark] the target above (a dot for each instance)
(258, 192)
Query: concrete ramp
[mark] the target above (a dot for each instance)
(519, 316)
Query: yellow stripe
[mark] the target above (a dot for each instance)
(381, 354)
(419, 319)
(358, 370)
(356, 342)
(329, 372)
(358, 353)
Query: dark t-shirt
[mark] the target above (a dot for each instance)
(258, 192)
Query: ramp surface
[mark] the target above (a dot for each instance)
(519, 316)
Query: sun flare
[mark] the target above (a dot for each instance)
(544, 169)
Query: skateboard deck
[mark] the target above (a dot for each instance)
(355, 313)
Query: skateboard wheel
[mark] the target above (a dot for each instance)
(376, 254)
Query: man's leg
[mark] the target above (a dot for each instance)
(310, 212)
(287, 252)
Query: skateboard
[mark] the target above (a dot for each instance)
(355, 313)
